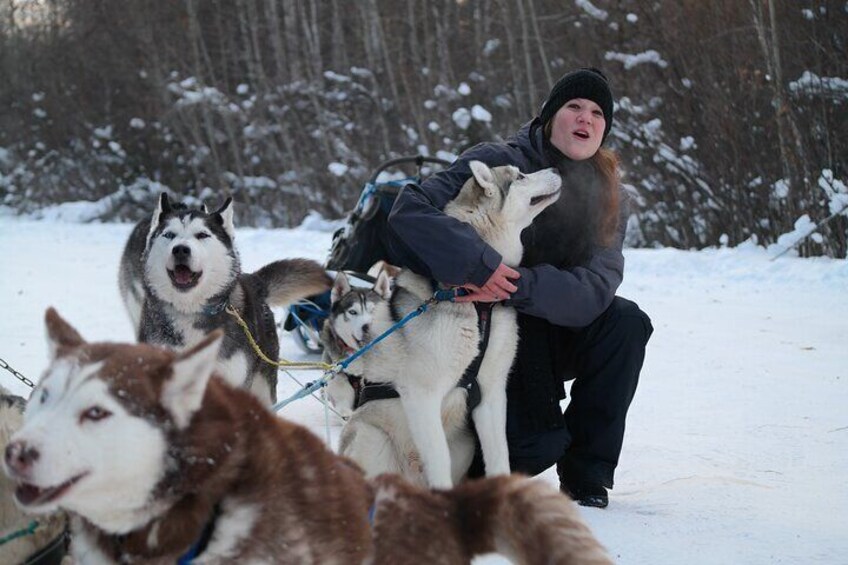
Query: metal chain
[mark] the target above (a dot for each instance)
(18, 376)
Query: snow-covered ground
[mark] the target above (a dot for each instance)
(737, 442)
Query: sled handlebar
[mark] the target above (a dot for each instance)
(419, 161)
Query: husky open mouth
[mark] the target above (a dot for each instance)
(544, 197)
(183, 277)
(31, 495)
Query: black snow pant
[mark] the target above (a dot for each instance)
(604, 359)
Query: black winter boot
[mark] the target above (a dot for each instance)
(585, 493)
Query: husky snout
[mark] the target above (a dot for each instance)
(182, 274)
(20, 457)
(182, 254)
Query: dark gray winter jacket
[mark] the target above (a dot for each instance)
(430, 243)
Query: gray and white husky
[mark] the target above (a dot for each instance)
(158, 460)
(426, 358)
(181, 270)
(376, 434)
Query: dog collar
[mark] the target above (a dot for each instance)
(200, 545)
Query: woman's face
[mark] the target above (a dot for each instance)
(577, 128)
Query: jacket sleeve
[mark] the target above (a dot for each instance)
(573, 297)
(450, 249)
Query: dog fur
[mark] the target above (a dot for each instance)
(189, 271)
(12, 518)
(376, 434)
(425, 359)
(201, 448)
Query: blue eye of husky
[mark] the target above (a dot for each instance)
(352, 312)
(203, 235)
(169, 235)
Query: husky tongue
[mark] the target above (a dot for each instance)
(183, 274)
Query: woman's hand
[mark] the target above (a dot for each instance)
(498, 287)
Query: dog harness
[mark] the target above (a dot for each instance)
(368, 391)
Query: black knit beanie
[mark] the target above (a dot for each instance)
(588, 83)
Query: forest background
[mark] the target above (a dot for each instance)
(731, 118)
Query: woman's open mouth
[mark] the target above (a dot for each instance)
(183, 277)
(581, 134)
(31, 495)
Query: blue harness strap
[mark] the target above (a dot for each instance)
(447, 295)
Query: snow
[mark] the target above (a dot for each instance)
(462, 118)
(338, 169)
(631, 60)
(591, 9)
(836, 191)
(737, 440)
(481, 114)
(812, 84)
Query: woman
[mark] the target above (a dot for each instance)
(572, 326)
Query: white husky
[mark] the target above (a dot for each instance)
(425, 359)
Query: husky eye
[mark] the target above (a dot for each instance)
(521, 176)
(203, 235)
(95, 413)
(169, 235)
(352, 312)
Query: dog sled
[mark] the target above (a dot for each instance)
(356, 246)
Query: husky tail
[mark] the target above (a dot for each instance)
(534, 524)
(525, 520)
(289, 280)
(131, 272)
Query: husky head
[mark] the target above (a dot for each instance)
(352, 309)
(95, 434)
(517, 198)
(500, 202)
(189, 259)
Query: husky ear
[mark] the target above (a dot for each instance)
(484, 177)
(226, 214)
(341, 286)
(163, 207)
(183, 392)
(60, 333)
(383, 285)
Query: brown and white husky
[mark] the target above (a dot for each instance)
(157, 458)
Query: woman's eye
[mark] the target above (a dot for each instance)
(95, 413)
(169, 235)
